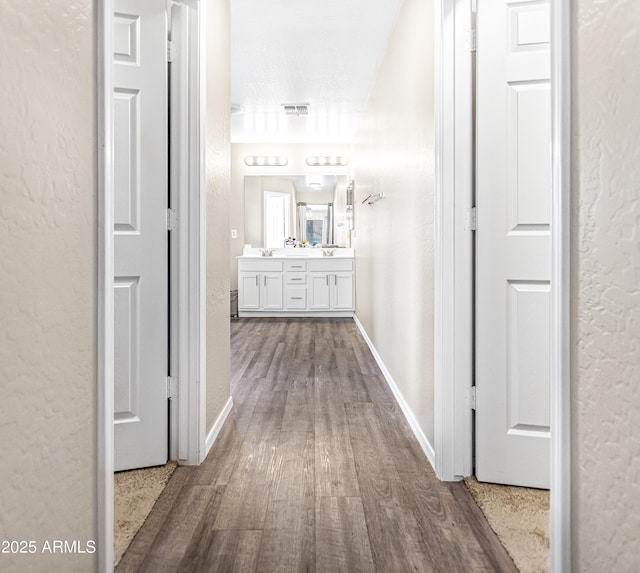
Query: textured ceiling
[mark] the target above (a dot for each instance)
(325, 53)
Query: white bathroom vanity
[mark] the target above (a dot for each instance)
(296, 282)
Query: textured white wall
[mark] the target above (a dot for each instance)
(393, 153)
(218, 188)
(47, 280)
(606, 285)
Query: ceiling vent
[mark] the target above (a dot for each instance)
(296, 108)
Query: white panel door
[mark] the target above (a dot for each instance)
(513, 265)
(141, 240)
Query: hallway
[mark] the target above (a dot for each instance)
(315, 469)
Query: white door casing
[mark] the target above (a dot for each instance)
(140, 233)
(187, 195)
(513, 242)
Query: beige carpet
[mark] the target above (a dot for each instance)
(135, 493)
(520, 518)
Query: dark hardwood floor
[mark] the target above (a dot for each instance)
(316, 469)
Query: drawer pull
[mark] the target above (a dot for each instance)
(296, 298)
(296, 266)
(296, 279)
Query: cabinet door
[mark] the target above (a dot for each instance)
(249, 291)
(319, 291)
(271, 291)
(342, 291)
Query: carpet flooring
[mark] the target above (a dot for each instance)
(135, 493)
(520, 518)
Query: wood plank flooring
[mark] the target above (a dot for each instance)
(315, 470)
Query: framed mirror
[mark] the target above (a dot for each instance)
(305, 207)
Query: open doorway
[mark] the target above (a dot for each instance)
(129, 31)
(457, 215)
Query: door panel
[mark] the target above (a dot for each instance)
(528, 310)
(127, 359)
(319, 292)
(513, 257)
(250, 291)
(140, 233)
(272, 291)
(126, 173)
(342, 291)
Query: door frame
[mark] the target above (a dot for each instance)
(189, 422)
(187, 417)
(454, 268)
(560, 514)
(454, 244)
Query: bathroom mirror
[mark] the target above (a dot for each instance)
(273, 210)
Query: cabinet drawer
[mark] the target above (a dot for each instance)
(296, 278)
(259, 265)
(295, 266)
(331, 265)
(295, 298)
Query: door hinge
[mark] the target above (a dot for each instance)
(471, 219)
(473, 394)
(172, 50)
(172, 220)
(471, 40)
(172, 387)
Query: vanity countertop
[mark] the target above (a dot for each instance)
(308, 253)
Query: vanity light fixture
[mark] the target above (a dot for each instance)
(327, 160)
(265, 161)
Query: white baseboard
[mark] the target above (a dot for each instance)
(217, 426)
(427, 448)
